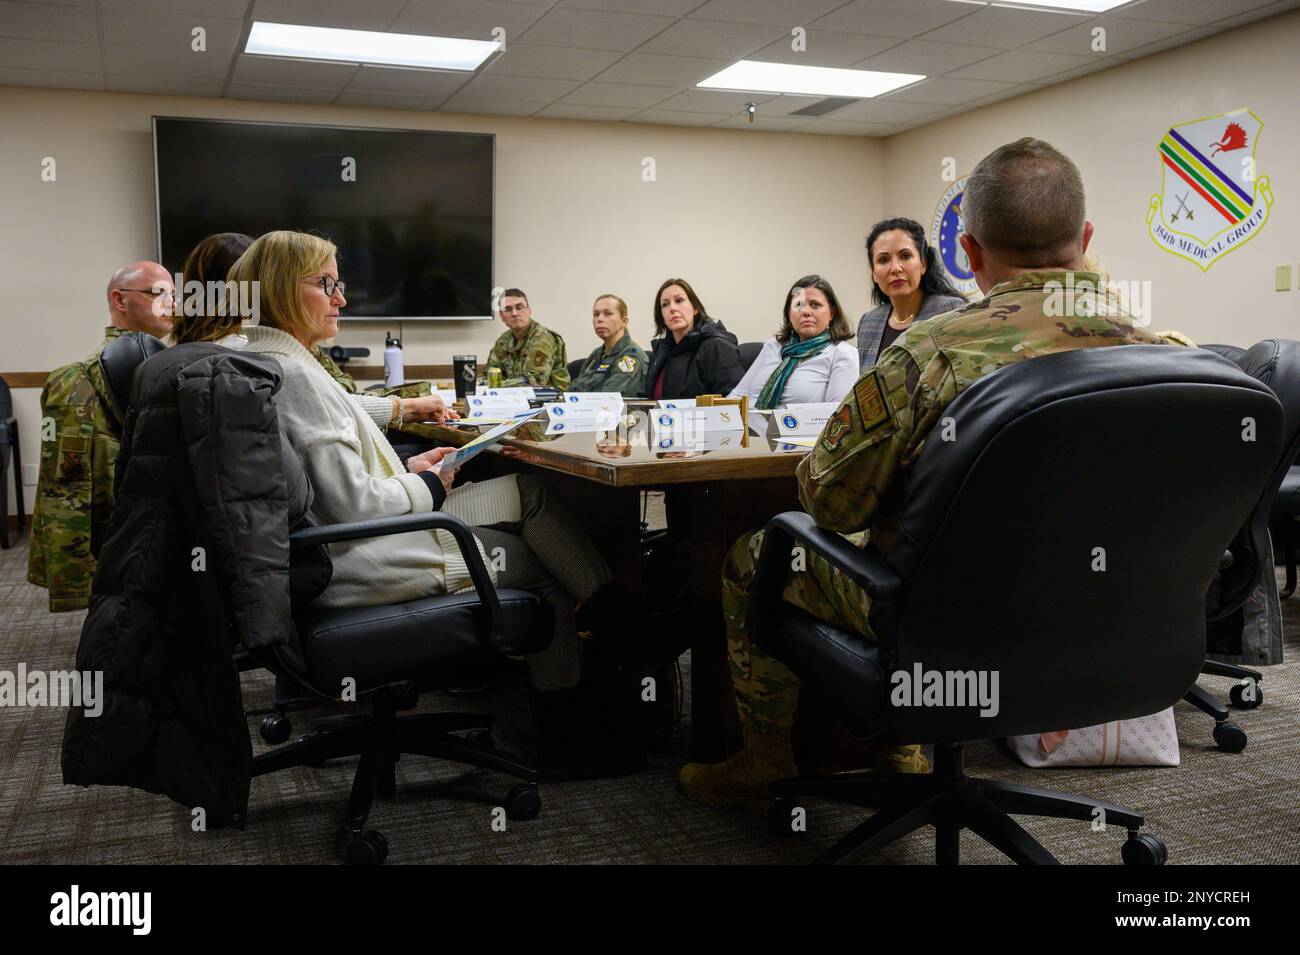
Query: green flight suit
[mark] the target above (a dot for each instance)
(538, 360)
(622, 370)
(74, 489)
(855, 478)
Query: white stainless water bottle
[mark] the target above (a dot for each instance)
(393, 374)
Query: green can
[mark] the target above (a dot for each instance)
(494, 378)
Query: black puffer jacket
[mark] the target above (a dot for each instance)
(201, 466)
(705, 362)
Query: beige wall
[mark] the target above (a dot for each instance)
(740, 214)
(1110, 123)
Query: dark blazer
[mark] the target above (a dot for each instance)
(705, 362)
(871, 327)
(202, 465)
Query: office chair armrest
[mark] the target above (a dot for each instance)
(862, 566)
(403, 524)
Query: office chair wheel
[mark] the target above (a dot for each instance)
(779, 818)
(523, 802)
(1238, 696)
(1229, 737)
(370, 848)
(276, 728)
(1144, 849)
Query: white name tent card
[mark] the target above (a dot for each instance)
(523, 391)
(569, 418)
(492, 406)
(671, 403)
(806, 420)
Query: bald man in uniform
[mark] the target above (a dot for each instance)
(1026, 235)
(79, 441)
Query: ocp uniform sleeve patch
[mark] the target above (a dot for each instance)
(872, 408)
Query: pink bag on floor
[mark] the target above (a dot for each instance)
(1142, 741)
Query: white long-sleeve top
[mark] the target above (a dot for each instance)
(356, 476)
(827, 376)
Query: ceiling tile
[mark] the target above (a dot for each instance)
(825, 48)
(883, 111)
(764, 124)
(371, 15)
(594, 29)
(527, 89)
(379, 79)
(551, 62)
(708, 38)
(471, 19)
(782, 13)
(1190, 12)
(670, 117)
(923, 56)
(618, 94)
(666, 8)
(713, 101)
(52, 79)
(1004, 27)
(835, 127)
(277, 93)
(786, 104)
(662, 70)
(1020, 67)
(46, 54)
(945, 92)
(606, 113)
(1019, 90)
(132, 61)
(164, 85)
(275, 70)
(901, 18)
(30, 21)
(173, 34)
(1097, 67)
(1259, 13)
(1121, 35)
(488, 106)
(383, 100)
(231, 9)
(1180, 39)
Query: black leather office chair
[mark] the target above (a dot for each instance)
(748, 352)
(574, 367)
(9, 445)
(1285, 510)
(1275, 363)
(994, 570)
(390, 655)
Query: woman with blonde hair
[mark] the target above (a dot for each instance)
(356, 476)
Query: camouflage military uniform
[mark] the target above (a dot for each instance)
(338, 374)
(622, 370)
(74, 492)
(855, 477)
(538, 360)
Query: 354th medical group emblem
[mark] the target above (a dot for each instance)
(1212, 200)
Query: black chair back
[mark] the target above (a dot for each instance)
(748, 352)
(6, 412)
(574, 367)
(1065, 537)
(118, 361)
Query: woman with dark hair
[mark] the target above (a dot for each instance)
(810, 360)
(692, 354)
(908, 286)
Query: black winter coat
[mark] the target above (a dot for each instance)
(201, 466)
(705, 362)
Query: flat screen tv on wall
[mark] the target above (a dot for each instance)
(410, 210)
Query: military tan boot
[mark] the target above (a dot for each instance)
(900, 759)
(741, 781)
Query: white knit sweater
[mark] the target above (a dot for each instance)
(357, 476)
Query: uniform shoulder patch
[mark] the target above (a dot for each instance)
(627, 364)
(835, 430)
(871, 402)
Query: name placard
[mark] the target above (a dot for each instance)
(800, 420)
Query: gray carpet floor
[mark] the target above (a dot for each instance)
(1214, 808)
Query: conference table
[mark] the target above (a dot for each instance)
(724, 488)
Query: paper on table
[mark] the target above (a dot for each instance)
(484, 441)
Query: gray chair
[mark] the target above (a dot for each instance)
(748, 352)
(9, 446)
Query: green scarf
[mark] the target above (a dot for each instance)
(792, 352)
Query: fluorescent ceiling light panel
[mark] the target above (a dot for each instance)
(367, 46)
(759, 77)
(1079, 6)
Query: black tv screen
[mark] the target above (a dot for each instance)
(410, 210)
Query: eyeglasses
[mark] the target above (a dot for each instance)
(152, 292)
(330, 285)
